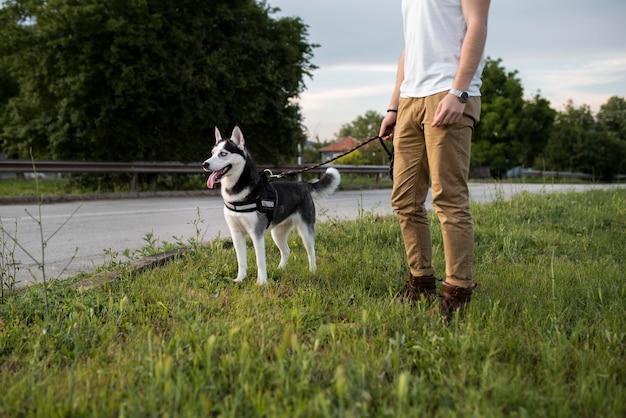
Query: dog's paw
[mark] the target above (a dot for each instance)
(238, 279)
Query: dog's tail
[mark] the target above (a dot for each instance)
(327, 184)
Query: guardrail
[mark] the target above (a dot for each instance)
(50, 166)
(136, 168)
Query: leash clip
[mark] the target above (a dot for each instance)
(271, 175)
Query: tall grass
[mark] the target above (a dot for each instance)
(31, 187)
(544, 336)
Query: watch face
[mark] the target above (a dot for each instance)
(463, 97)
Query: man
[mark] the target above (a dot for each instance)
(434, 106)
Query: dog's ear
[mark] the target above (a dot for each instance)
(237, 137)
(218, 135)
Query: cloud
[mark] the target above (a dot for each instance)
(320, 99)
(599, 72)
(362, 68)
(588, 82)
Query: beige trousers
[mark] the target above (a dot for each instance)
(439, 157)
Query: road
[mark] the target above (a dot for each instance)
(100, 231)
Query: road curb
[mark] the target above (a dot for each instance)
(136, 267)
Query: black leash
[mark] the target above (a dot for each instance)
(305, 169)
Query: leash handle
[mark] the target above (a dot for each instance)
(382, 142)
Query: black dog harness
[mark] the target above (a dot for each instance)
(266, 202)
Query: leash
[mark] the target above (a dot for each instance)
(293, 173)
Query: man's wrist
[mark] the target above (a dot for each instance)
(462, 95)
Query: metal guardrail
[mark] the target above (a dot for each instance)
(136, 168)
(54, 166)
(49, 166)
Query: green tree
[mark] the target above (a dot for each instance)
(8, 89)
(363, 127)
(577, 144)
(612, 124)
(8, 86)
(612, 116)
(512, 131)
(535, 125)
(311, 152)
(128, 80)
(569, 139)
(356, 157)
(495, 137)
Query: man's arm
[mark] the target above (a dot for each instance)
(450, 109)
(476, 13)
(386, 126)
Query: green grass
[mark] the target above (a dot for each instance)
(544, 335)
(27, 187)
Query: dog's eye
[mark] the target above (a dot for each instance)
(223, 153)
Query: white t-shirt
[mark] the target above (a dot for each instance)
(433, 35)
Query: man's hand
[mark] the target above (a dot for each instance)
(387, 126)
(449, 111)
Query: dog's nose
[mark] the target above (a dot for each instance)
(205, 166)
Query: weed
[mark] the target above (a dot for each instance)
(8, 266)
(8, 261)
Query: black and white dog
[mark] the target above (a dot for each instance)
(252, 204)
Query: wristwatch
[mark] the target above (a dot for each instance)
(462, 95)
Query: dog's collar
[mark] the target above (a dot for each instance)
(247, 206)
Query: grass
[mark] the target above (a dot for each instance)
(28, 187)
(544, 335)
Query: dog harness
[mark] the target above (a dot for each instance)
(265, 203)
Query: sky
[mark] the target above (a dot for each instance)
(562, 49)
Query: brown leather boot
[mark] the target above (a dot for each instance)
(418, 287)
(454, 298)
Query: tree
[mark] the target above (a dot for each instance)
(356, 157)
(8, 86)
(577, 144)
(502, 102)
(612, 117)
(8, 89)
(512, 131)
(363, 127)
(569, 138)
(535, 126)
(612, 123)
(128, 80)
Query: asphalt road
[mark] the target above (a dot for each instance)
(84, 235)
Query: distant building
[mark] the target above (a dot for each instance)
(335, 149)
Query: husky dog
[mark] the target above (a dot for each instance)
(252, 204)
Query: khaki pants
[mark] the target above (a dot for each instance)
(439, 157)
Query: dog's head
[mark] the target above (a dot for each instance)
(227, 154)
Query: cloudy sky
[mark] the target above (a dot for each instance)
(562, 49)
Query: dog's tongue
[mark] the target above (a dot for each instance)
(211, 181)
